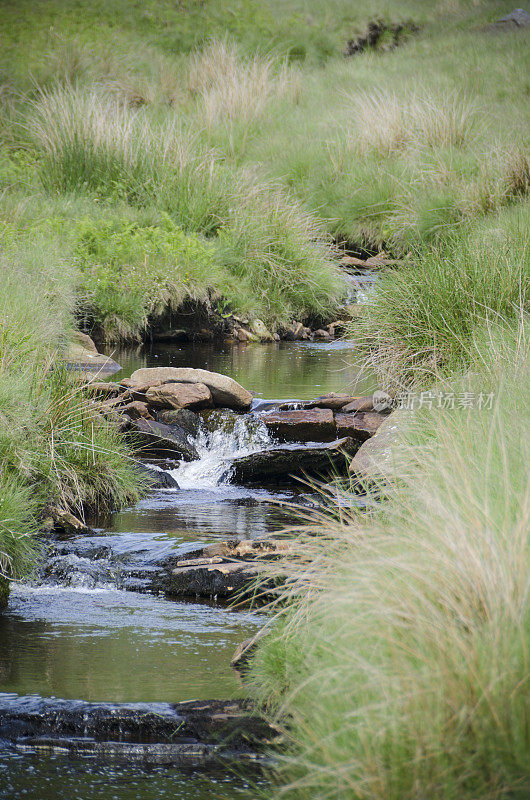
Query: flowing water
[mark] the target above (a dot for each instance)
(99, 642)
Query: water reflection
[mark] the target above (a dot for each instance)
(300, 370)
(116, 646)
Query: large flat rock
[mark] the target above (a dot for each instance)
(81, 359)
(225, 391)
(224, 569)
(179, 396)
(359, 425)
(301, 425)
(292, 461)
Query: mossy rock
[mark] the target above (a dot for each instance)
(4, 592)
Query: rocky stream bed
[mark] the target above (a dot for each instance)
(118, 652)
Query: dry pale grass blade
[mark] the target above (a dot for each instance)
(234, 88)
(388, 123)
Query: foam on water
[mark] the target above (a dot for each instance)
(225, 437)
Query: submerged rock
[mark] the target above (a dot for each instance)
(225, 391)
(159, 732)
(162, 441)
(284, 462)
(301, 426)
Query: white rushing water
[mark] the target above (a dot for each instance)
(226, 436)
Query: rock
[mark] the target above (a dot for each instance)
(224, 569)
(359, 404)
(292, 461)
(300, 331)
(359, 426)
(375, 459)
(141, 731)
(85, 341)
(179, 395)
(212, 577)
(225, 391)
(261, 331)
(183, 417)
(81, 359)
(246, 336)
(333, 400)
(301, 426)
(66, 523)
(161, 441)
(136, 410)
(157, 479)
(338, 328)
(323, 335)
(244, 651)
(171, 335)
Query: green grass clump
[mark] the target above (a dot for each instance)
(402, 663)
(54, 448)
(421, 320)
(262, 251)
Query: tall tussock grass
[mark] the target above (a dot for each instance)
(403, 664)
(420, 321)
(388, 123)
(231, 89)
(273, 258)
(55, 450)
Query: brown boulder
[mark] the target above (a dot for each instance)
(179, 395)
(225, 391)
(301, 426)
(359, 404)
(333, 400)
(136, 409)
(358, 426)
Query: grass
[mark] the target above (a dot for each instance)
(249, 242)
(402, 658)
(421, 321)
(54, 448)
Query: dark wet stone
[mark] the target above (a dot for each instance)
(147, 731)
(158, 479)
(161, 441)
(212, 578)
(183, 417)
(224, 569)
(296, 460)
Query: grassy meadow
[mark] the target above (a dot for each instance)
(228, 153)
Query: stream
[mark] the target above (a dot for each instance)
(110, 640)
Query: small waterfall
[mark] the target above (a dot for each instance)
(224, 436)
